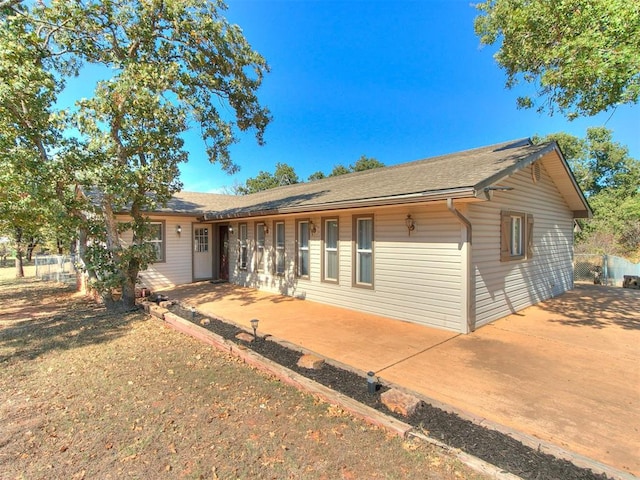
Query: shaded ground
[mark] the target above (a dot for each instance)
(489, 445)
(85, 394)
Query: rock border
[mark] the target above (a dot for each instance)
(372, 415)
(364, 412)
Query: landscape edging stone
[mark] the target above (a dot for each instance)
(366, 413)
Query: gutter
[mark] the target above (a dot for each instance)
(468, 281)
(461, 218)
(247, 211)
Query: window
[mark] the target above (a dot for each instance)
(280, 250)
(260, 231)
(330, 250)
(156, 239)
(302, 263)
(516, 238)
(364, 251)
(201, 240)
(243, 252)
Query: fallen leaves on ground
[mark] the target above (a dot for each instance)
(88, 394)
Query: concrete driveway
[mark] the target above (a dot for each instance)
(566, 372)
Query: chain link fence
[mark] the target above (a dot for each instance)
(603, 269)
(58, 268)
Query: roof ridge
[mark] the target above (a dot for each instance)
(504, 145)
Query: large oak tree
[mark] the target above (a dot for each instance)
(582, 56)
(171, 65)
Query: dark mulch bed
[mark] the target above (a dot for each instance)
(494, 447)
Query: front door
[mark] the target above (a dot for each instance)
(202, 252)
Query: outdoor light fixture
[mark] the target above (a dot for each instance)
(266, 229)
(372, 385)
(230, 230)
(178, 229)
(254, 325)
(312, 227)
(411, 224)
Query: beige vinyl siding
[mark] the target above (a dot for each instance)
(506, 287)
(417, 278)
(177, 267)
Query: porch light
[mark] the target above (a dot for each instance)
(265, 227)
(372, 384)
(254, 325)
(178, 230)
(410, 223)
(312, 227)
(230, 230)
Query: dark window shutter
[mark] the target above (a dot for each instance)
(505, 235)
(529, 236)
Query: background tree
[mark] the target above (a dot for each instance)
(30, 130)
(283, 175)
(582, 56)
(172, 65)
(366, 163)
(316, 176)
(339, 170)
(610, 179)
(363, 163)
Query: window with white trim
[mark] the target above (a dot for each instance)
(330, 250)
(243, 256)
(516, 236)
(280, 248)
(156, 239)
(201, 239)
(364, 251)
(260, 243)
(302, 242)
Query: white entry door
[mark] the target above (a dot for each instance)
(202, 252)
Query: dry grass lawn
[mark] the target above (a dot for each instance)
(86, 394)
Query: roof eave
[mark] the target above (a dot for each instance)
(525, 162)
(507, 172)
(419, 197)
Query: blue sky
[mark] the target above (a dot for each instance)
(394, 80)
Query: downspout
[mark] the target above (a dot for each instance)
(467, 272)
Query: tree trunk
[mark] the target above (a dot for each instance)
(19, 253)
(129, 287)
(33, 243)
(82, 273)
(19, 266)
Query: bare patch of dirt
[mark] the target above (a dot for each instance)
(88, 394)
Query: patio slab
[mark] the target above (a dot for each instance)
(565, 371)
(364, 342)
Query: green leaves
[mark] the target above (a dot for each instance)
(283, 175)
(611, 181)
(582, 56)
(174, 64)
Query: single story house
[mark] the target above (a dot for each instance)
(452, 242)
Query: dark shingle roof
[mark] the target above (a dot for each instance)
(196, 203)
(457, 175)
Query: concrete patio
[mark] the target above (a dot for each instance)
(565, 372)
